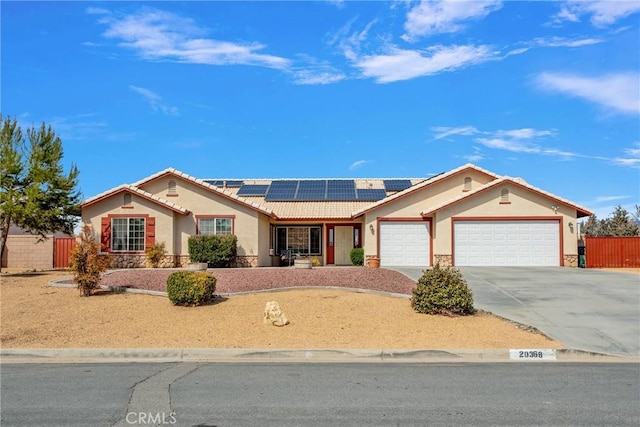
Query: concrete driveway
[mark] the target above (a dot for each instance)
(584, 309)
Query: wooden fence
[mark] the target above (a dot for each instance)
(62, 247)
(612, 252)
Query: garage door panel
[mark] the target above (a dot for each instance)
(508, 243)
(404, 244)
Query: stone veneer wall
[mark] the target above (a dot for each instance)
(169, 261)
(247, 261)
(571, 260)
(443, 260)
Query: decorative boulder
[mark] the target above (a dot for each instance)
(273, 314)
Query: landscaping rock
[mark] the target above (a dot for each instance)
(274, 315)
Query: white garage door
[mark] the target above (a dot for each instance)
(404, 244)
(507, 243)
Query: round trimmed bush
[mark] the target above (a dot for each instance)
(191, 287)
(357, 256)
(442, 291)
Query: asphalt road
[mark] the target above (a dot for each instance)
(219, 394)
(584, 309)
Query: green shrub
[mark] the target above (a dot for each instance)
(155, 253)
(191, 287)
(442, 291)
(357, 256)
(215, 250)
(87, 263)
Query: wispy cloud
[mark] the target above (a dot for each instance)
(445, 132)
(601, 13)
(358, 164)
(435, 17)
(155, 101)
(565, 42)
(605, 199)
(399, 64)
(316, 72)
(156, 35)
(528, 141)
(619, 92)
(631, 158)
(159, 35)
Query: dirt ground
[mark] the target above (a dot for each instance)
(34, 315)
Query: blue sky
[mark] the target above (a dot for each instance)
(546, 91)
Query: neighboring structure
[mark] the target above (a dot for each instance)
(28, 251)
(467, 216)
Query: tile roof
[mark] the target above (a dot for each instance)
(324, 209)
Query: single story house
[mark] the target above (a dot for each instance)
(466, 216)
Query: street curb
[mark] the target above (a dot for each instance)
(254, 355)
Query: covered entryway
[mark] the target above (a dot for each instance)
(506, 242)
(405, 243)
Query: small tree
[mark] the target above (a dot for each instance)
(87, 263)
(35, 193)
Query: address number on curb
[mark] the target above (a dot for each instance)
(532, 354)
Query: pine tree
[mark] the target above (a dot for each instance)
(35, 193)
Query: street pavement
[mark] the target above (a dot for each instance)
(589, 310)
(320, 394)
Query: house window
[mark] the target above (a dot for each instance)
(127, 234)
(467, 184)
(504, 196)
(171, 188)
(215, 225)
(300, 240)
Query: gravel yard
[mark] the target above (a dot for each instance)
(35, 315)
(231, 280)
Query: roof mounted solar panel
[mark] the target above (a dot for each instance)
(224, 183)
(282, 190)
(252, 190)
(397, 184)
(341, 189)
(371, 194)
(312, 190)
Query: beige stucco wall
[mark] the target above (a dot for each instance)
(524, 203)
(412, 205)
(25, 251)
(139, 206)
(247, 224)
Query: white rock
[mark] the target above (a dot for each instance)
(273, 314)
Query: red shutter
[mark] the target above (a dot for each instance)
(105, 234)
(150, 232)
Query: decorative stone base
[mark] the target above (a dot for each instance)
(246, 261)
(571, 260)
(169, 261)
(443, 260)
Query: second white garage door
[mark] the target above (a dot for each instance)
(507, 243)
(404, 244)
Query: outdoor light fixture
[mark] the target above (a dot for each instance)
(555, 208)
(371, 228)
(571, 226)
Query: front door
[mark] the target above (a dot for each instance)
(343, 245)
